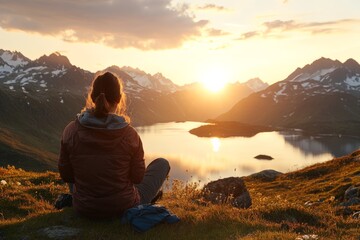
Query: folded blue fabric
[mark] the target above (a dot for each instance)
(143, 217)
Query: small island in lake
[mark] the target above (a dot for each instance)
(229, 129)
(263, 157)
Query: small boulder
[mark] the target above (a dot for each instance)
(228, 190)
(59, 232)
(352, 192)
(266, 175)
(263, 157)
(351, 197)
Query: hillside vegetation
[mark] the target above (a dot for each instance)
(303, 204)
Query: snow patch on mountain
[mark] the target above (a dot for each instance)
(24, 90)
(279, 93)
(143, 80)
(5, 68)
(353, 81)
(256, 84)
(59, 72)
(38, 68)
(13, 59)
(314, 76)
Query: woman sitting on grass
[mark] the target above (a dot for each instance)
(102, 156)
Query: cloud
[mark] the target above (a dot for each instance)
(142, 24)
(213, 7)
(248, 35)
(278, 27)
(213, 32)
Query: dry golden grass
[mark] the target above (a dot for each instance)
(278, 211)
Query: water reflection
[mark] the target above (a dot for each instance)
(205, 159)
(215, 142)
(336, 145)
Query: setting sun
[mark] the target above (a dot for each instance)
(214, 79)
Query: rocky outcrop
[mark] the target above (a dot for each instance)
(228, 190)
(266, 175)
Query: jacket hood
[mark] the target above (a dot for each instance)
(111, 121)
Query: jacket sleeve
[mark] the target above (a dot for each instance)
(137, 166)
(64, 164)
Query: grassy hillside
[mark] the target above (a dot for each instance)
(298, 205)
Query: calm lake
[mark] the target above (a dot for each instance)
(204, 159)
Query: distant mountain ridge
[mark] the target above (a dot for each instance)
(155, 82)
(38, 98)
(323, 96)
(10, 60)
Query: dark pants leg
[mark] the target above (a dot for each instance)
(155, 175)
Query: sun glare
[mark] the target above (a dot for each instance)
(215, 142)
(214, 79)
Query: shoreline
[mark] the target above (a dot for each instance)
(230, 129)
(237, 129)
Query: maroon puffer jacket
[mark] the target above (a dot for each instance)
(104, 164)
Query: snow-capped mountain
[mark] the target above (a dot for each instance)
(10, 60)
(256, 84)
(53, 72)
(155, 82)
(323, 96)
(323, 76)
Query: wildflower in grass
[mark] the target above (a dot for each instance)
(3, 182)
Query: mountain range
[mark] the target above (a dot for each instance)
(39, 97)
(321, 97)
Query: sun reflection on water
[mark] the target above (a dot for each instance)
(215, 142)
(207, 159)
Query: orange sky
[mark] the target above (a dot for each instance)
(185, 40)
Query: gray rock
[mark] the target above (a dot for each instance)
(266, 175)
(352, 192)
(228, 190)
(242, 201)
(59, 232)
(351, 202)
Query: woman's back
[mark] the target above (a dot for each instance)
(101, 160)
(103, 156)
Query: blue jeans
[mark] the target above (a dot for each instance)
(155, 175)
